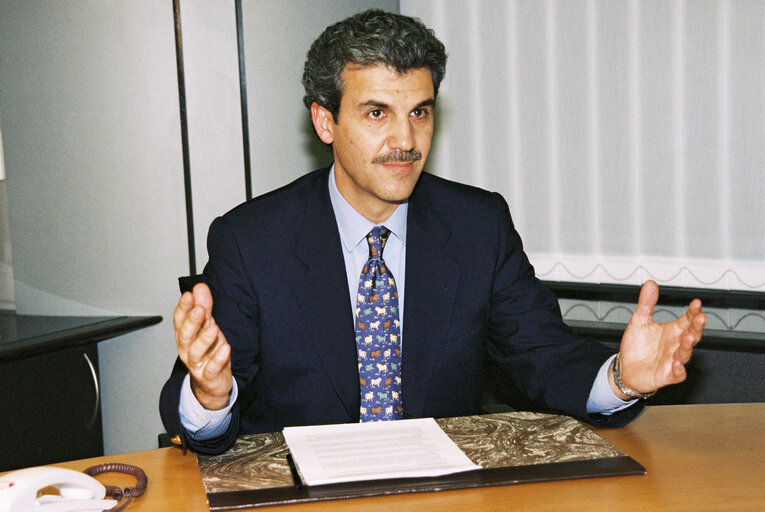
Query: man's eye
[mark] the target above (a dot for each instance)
(419, 112)
(376, 114)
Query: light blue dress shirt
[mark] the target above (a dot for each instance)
(353, 228)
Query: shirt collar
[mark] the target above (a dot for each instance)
(354, 227)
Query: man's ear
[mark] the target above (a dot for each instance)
(323, 123)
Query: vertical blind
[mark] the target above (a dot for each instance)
(627, 137)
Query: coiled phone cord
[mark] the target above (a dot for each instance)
(118, 493)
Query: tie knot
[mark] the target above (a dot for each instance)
(376, 240)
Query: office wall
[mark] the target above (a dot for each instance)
(95, 184)
(282, 144)
(91, 127)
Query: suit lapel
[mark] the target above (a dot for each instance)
(431, 283)
(322, 294)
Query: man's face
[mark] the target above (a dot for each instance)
(382, 137)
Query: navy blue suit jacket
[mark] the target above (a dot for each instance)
(279, 286)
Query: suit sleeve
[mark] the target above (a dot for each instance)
(235, 311)
(530, 341)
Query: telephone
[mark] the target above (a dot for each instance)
(77, 492)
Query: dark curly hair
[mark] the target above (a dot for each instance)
(368, 38)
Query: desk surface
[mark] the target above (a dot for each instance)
(697, 457)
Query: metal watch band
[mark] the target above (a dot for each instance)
(624, 389)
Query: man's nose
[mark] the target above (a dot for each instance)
(402, 135)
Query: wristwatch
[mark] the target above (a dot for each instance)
(624, 389)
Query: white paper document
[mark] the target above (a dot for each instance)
(326, 454)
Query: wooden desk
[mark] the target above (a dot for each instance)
(698, 457)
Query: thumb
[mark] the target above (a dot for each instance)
(649, 296)
(203, 297)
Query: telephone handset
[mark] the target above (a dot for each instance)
(20, 490)
(78, 491)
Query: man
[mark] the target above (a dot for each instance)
(278, 334)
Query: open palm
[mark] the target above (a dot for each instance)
(653, 355)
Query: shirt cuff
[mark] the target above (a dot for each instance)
(202, 423)
(602, 399)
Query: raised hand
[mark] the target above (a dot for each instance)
(654, 355)
(203, 348)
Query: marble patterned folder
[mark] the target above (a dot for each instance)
(511, 448)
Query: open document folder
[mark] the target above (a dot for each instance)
(328, 454)
(511, 448)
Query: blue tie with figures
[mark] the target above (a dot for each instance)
(378, 338)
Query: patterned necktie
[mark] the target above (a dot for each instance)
(378, 338)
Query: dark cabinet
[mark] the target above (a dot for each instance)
(50, 408)
(50, 400)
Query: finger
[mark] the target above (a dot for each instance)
(698, 322)
(685, 348)
(691, 337)
(203, 297)
(649, 296)
(678, 371)
(694, 309)
(185, 303)
(191, 326)
(218, 360)
(197, 352)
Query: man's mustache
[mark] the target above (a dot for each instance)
(398, 156)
